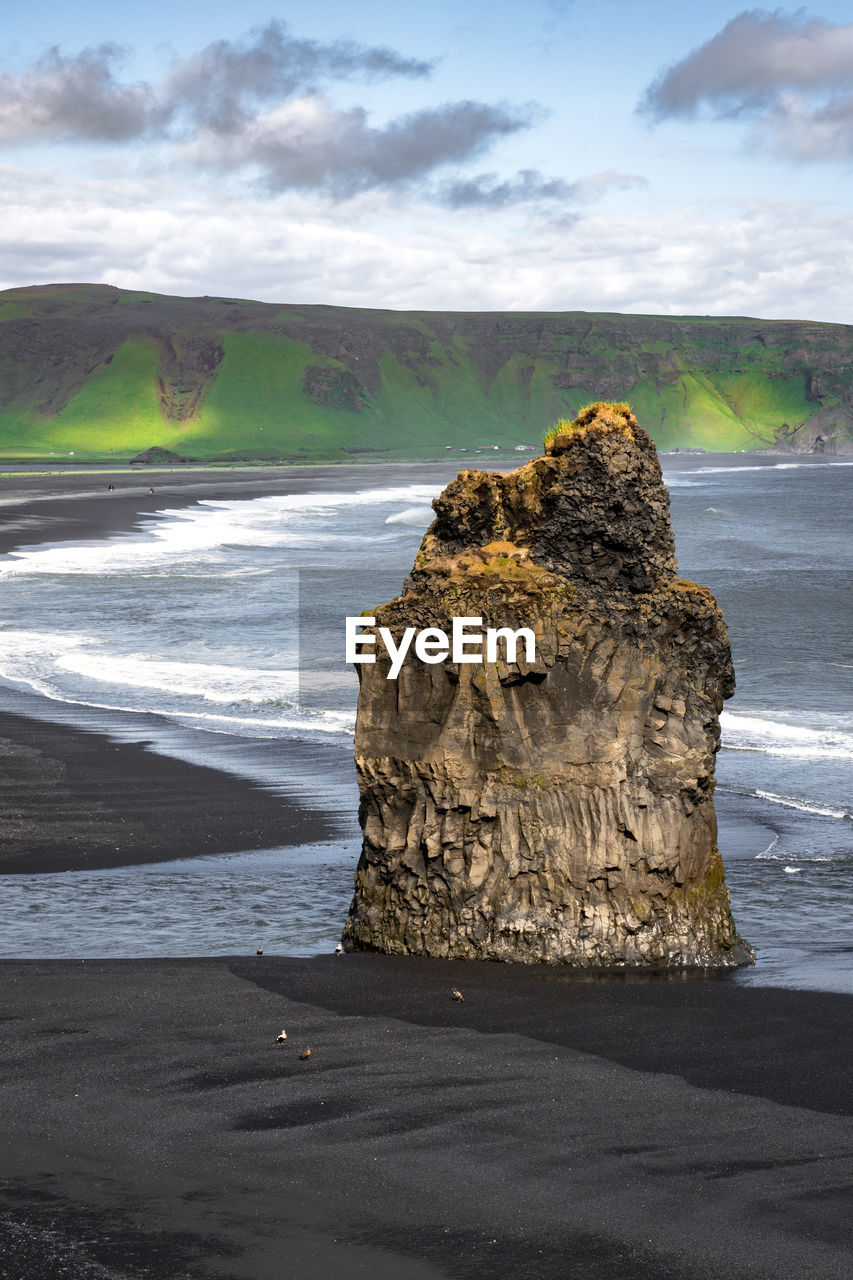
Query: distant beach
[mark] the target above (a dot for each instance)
(38, 506)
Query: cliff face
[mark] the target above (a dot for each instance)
(94, 368)
(559, 809)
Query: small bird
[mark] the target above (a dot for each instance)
(339, 951)
(457, 994)
(260, 951)
(306, 1053)
(281, 1037)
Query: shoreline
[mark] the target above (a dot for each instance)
(38, 507)
(56, 507)
(541, 1128)
(605, 1127)
(76, 799)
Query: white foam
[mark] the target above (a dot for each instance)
(190, 538)
(314, 721)
(259, 700)
(767, 466)
(796, 466)
(792, 871)
(754, 733)
(418, 517)
(715, 471)
(307, 720)
(791, 802)
(802, 857)
(213, 682)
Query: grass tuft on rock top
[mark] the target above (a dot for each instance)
(600, 416)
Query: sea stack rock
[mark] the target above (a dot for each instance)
(560, 808)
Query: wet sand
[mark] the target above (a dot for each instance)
(73, 800)
(546, 1128)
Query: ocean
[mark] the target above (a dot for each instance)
(215, 633)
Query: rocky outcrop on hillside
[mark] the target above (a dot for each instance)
(155, 456)
(328, 384)
(556, 807)
(828, 432)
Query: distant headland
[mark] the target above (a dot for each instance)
(97, 372)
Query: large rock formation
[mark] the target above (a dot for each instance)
(558, 809)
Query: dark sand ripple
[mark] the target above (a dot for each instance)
(544, 1128)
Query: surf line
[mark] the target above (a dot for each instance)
(434, 645)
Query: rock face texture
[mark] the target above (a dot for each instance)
(560, 809)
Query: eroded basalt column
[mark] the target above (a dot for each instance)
(559, 810)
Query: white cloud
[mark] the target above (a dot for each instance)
(755, 56)
(253, 105)
(597, 185)
(306, 144)
(74, 98)
(489, 191)
(221, 86)
(809, 133)
(790, 75)
(774, 259)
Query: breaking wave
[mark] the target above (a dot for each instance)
(753, 733)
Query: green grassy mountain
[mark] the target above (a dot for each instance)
(106, 372)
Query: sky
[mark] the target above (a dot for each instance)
(637, 156)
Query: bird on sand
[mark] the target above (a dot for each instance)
(457, 994)
(306, 1053)
(260, 951)
(281, 1037)
(339, 951)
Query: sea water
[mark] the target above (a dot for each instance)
(215, 632)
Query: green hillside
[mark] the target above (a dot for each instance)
(103, 372)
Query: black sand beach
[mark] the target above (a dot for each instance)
(59, 506)
(545, 1127)
(548, 1127)
(73, 800)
